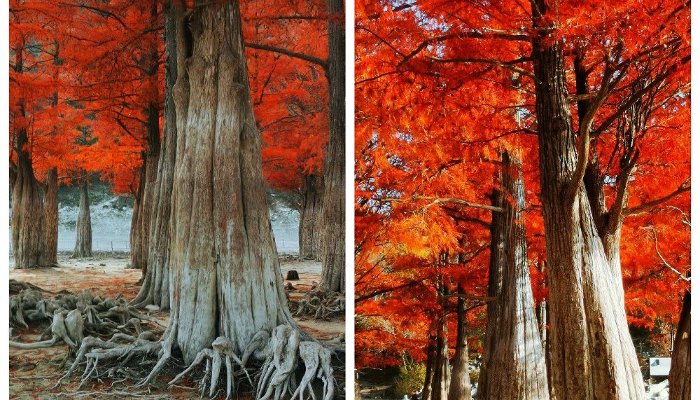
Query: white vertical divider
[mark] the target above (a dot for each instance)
(349, 199)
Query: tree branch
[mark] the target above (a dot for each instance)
(288, 53)
(448, 200)
(616, 215)
(504, 64)
(368, 296)
(663, 260)
(465, 35)
(684, 187)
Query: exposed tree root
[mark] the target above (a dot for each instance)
(222, 350)
(117, 352)
(277, 378)
(277, 371)
(319, 304)
(72, 316)
(317, 360)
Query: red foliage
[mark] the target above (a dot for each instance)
(441, 87)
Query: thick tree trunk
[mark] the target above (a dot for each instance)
(333, 217)
(591, 350)
(51, 215)
(679, 378)
(496, 263)
(441, 369)
(309, 216)
(83, 227)
(225, 276)
(460, 387)
(516, 367)
(28, 219)
(429, 368)
(156, 285)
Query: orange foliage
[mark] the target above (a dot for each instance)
(440, 88)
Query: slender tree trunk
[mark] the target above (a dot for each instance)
(496, 263)
(460, 387)
(83, 227)
(333, 219)
(542, 318)
(156, 285)
(143, 201)
(135, 243)
(225, 277)
(151, 172)
(441, 369)
(151, 156)
(591, 350)
(51, 187)
(429, 368)
(517, 368)
(679, 378)
(28, 219)
(51, 215)
(309, 216)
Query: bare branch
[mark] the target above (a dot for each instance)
(642, 208)
(663, 260)
(447, 200)
(504, 64)
(288, 53)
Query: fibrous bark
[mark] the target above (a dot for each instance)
(516, 367)
(679, 377)
(431, 352)
(83, 227)
(147, 187)
(28, 219)
(460, 387)
(333, 217)
(441, 368)
(591, 350)
(497, 260)
(309, 218)
(51, 215)
(155, 288)
(227, 296)
(227, 281)
(144, 198)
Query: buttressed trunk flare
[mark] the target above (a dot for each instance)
(516, 368)
(223, 262)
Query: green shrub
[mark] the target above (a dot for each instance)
(410, 379)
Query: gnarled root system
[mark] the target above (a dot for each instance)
(319, 304)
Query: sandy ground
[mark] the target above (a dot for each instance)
(33, 372)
